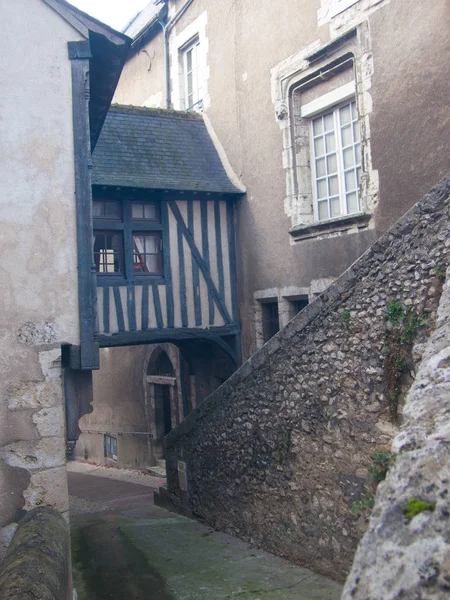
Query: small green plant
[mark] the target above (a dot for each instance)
(394, 312)
(367, 501)
(346, 318)
(412, 323)
(405, 325)
(399, 362)
(439, 271)
(382, 460)
(415, 507)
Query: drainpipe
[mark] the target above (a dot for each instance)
(167, 27)
(166, 33)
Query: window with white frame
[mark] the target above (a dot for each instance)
(336, 162)
(192, 75)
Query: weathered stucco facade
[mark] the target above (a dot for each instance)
(124, 407)
(45, 130)
(39, 260)
(280, 452)
(255, 60)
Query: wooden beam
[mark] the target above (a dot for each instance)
(201, 263)
(182, 273)
(205, 252)
(80, 54)
(131, 307)
(232, 255)
(161, 380)
(155, 336)
(195, 273)
(219, 253)
(144, 307)
(105, 309)
(167, 264)
(119, 309)
(157, 305)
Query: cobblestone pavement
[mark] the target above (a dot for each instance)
(126, 548)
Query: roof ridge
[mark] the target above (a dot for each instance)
(166, 113)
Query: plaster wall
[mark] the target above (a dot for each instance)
(123, 408)
(402, 101)
(144, 84)
(39, 306)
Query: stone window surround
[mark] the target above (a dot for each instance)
(284, 296)
(341, 15)
(354, 49)
(193, 46)
(338, 6)
(179, 41)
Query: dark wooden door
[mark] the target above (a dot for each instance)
(163, 416)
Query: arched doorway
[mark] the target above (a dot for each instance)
(163, 392)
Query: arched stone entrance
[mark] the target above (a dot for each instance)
(166, 406)
(140, 394)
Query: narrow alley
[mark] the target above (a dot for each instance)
(126, 548)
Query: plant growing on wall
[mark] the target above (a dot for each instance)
(382, 460)
(345, 316)
(403, 326)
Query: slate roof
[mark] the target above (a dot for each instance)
(158, 149)
(141, 19)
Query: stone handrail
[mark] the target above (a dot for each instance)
(37, 563)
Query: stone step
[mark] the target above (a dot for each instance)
(158, 470)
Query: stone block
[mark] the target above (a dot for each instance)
(38, 334)
(48, 488)
(50, 421)
(44, 454)
(50, 361)
(34, 394)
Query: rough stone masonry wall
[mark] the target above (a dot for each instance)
(279, 453)
(403, 557)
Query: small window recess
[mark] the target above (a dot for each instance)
(270, 319)
(110, 446)
(296, 305)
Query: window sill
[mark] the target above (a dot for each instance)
(333, 226)
(120, 281)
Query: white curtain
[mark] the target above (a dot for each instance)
(146, 243)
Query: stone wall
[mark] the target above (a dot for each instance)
(405, 555)
(37, 562)
(281, 451)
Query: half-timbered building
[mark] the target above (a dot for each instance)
(165, 269)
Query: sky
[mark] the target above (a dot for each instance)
(115, 13)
